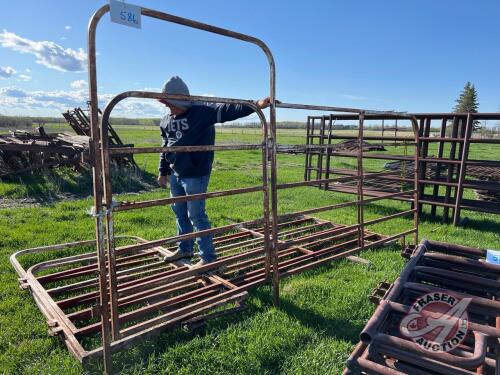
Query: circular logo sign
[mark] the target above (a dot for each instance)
(437, 322)
(178, 134)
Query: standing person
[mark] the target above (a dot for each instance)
(192, 124)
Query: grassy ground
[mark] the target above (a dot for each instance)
(322, 311)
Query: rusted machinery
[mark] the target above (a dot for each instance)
(122, 293)
(448, 166)
(79, 121)
(443, 269)
(22, 151)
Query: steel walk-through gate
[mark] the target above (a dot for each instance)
(120, 291)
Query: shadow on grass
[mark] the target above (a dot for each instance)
(260, 300)
(336, 328)
(481, 225)
(48, 186)
(141, 351)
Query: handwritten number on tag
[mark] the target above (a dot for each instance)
(129, 17)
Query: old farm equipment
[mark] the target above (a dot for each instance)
(79, 121)
(433, 267)
(447, 166)
(118, 290)
(23, 151)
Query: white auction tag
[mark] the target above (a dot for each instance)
(126, 14)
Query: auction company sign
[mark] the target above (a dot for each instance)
(437, 322)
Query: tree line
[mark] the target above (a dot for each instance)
(467, 102)
(22, 122)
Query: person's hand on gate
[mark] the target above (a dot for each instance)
(264, 103)
(162, 181)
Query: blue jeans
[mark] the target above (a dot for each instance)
(191, 215)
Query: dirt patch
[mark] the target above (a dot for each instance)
(16, 203)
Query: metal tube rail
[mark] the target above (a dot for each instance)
(154, 150)
(110, 298)
(462, 172)
(331, 123)
(366, 137)
(340, 109)
(158, 95)
(470, 184)
(288, 243)
(333, 179)
(381, 115)
(487, 330)
(126, 205)
(352, 251)
(347, 204)
(360, 207)
(162, 326)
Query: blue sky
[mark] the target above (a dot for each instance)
(404, 55)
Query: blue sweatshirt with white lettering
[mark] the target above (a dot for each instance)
(194, 127)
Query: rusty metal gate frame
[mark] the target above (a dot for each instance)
(102, 184)
(450, 171)
(104, 206)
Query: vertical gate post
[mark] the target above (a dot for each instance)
(98, 193)
(463, 169)
(360, 173)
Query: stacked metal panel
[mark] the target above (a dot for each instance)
(391, 345)
(155, 296)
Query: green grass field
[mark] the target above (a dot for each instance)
(322, 311)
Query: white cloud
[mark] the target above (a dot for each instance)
(24, 77)
(79, 84)
(67, 27)
(14, 101)
(48, 53)
(12, 92)
(7, 71)
(27, 70)
(139, 108)
(58, 100)
(63, 38)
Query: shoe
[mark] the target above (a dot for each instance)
(202, 262)
(177, 255)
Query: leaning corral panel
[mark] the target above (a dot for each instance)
(154, 295)
(450, 270)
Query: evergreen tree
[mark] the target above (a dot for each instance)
(467, 102)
